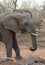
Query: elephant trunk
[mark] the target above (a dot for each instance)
(33, 35)
(34, 42)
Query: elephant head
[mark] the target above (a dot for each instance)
(21, 22)
(27, 25)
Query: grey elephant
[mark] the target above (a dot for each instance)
(13, 23)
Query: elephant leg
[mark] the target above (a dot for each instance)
(15, 47)
(7, 39)
(0, 37)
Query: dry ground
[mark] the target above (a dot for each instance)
(25, 53)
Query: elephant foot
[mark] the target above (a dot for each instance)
(18, 57)
(33, 49)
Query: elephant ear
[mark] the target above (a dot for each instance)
(11, 24)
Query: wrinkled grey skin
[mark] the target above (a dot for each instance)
(13, 23)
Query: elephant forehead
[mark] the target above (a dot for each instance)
(23, 20)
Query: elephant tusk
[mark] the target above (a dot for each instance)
(34, 34)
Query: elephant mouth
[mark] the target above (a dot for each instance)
(23, 31)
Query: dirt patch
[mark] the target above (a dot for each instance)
(29, 58)
(8, 63)
(26, 61)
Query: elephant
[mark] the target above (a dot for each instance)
(13, 23)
